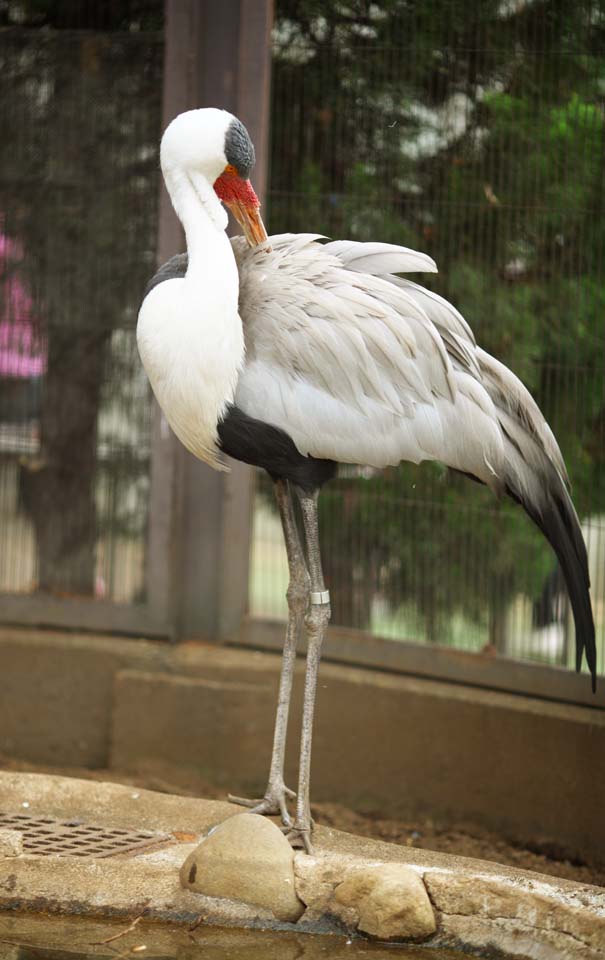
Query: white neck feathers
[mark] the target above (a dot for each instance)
(204, 220)
(189, 332)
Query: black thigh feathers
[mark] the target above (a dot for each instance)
(263, 445)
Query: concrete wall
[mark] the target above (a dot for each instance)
(398, 745)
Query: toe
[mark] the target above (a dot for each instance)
(244, 801)
(286, 819)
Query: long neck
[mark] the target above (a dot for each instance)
(211, 264)
(190, 335)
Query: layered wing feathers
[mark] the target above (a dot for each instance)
(352, 363)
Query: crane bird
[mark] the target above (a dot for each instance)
(295, 355)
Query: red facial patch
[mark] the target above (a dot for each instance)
(229, 188)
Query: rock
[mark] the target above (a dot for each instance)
(246, 858)
(521, 902)
(390, 900)
(316, 878)
(11, 843)
(387, 901)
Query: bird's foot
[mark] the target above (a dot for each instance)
(274, 803)
(299, 834)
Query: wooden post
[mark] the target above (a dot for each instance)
(216, 54)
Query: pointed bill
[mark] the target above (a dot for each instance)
(249, 218)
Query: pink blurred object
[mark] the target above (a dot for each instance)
(22, 352)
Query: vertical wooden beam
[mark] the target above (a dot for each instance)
(254, 82)
(181, 40)
(252, 106)
(217, 54)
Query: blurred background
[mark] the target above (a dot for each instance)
(472, 131)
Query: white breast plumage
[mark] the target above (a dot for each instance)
(192, 366)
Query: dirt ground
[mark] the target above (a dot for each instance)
(466, 840)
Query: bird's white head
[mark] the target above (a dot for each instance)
(197, 141)
(213, 150)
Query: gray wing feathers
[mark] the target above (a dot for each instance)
(453, 328)
(360, 339)
(505, 389)
(529, 467)
(378, 259)
(513, 398)
(326, 343)
(334, 316)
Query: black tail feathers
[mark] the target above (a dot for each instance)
(557, 520)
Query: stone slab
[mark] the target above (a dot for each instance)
(476, 904)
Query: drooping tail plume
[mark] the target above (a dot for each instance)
(556, 518)
(534, 477)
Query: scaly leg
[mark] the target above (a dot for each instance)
(316, 622)
(276, 795)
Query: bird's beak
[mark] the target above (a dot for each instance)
(238, 194)
(249, 218)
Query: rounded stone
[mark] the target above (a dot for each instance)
(246, 858)
(390, 900)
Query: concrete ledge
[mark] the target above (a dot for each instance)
(383, 742)
(56, 692)
(478, 904)
(529, 769)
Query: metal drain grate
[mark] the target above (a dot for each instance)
(47, 837)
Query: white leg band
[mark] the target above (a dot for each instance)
(319, 597)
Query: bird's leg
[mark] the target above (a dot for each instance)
(276, 794)
(316, 621)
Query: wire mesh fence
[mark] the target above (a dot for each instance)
(476, 133)
(80, 116)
